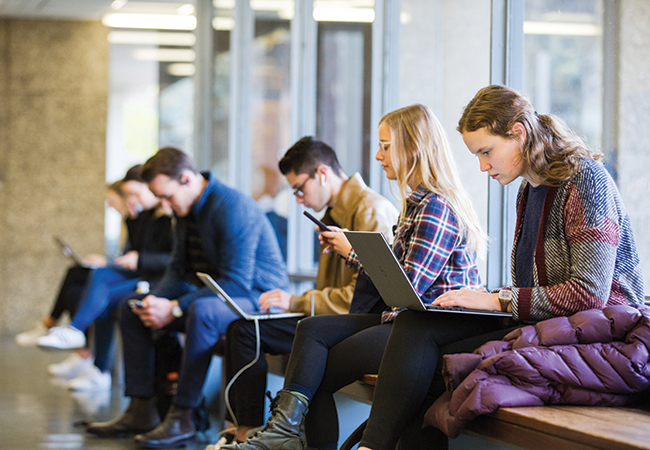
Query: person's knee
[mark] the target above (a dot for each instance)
(125, 313)
(205, 313)
(240, 332)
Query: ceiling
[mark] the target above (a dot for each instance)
(85, 9)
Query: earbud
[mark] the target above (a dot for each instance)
(322, 179)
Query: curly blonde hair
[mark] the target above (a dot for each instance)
(551, 150)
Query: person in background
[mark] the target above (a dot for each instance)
(148, 248)
(70, 292)
(219, 231)
(318, 182)
(437, 240)
(574, 250)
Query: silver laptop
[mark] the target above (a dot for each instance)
(388, 276)
(70, 253)
(214, 287)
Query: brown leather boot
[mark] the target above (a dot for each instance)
(140, 417)
(177, 430)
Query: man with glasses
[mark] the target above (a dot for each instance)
(318, 182)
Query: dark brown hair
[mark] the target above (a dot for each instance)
(306, 155)
(134, 174)
(168, 161)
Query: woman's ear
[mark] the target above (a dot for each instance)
(518, 132)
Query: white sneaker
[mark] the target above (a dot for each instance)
(92, 402)
(29, 338)
(92, 379)
(63, 338)
(73, 366)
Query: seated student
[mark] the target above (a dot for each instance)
(313, 171)
(149, 245)
(436, 241)
(219, 231)
(70, 293)
(73, 283)
(573, 250)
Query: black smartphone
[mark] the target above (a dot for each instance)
(135, 303)
(321, 225)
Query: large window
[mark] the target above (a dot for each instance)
(442, 65)
(578, 62)
(581, 64)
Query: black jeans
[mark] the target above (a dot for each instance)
(70, 292)
(247, 392)
(409, 377)
(204, 322)
(330, 352)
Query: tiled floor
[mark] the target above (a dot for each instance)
(38, 413)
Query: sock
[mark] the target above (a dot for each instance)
(301, 396)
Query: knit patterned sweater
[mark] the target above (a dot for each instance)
(585, 255)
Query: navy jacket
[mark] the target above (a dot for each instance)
(239, 242)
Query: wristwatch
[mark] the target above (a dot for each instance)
(177, 311)
(505, 297)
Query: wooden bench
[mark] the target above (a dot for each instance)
(549, 427)
(565, 427)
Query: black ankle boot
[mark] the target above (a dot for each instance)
(176, 430)
(140, 417)
(284, 429)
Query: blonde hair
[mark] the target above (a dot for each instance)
(551, 150)
(421, 155)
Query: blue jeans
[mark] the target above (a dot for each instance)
(103, 292)
(204, 323)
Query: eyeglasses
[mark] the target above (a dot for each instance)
(383, 146)
(298, 191)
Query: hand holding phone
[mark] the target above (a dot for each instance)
(135, 303)
(321, 226)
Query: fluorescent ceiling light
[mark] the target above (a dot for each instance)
(271, 5)
(286, 14)
(223, 4)
(151, 38)
(181, 69)
(117, 4)
(562, 28)
(344, 14)
(186, 10)
(223, 23)
(344, 4)
(150, 21)
(164, 55)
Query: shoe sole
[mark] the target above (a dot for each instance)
(47, 347)
(180, 443)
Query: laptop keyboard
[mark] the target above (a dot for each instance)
(466, 310)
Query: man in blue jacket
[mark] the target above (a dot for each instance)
(222, 232)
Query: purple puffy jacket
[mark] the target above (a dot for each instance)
(593, 358)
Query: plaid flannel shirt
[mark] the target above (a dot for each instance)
(431, 249)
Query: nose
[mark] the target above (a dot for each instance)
(485, 166)
(379, 155)
(165, 203)
(299, 200)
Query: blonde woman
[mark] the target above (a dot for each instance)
(437, 240)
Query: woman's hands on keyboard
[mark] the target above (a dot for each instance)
(469, 298)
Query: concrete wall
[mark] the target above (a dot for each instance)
(634, 117)
(53, 96)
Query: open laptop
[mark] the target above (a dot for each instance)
(388, 276)
(214, 287)
(70, 253)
